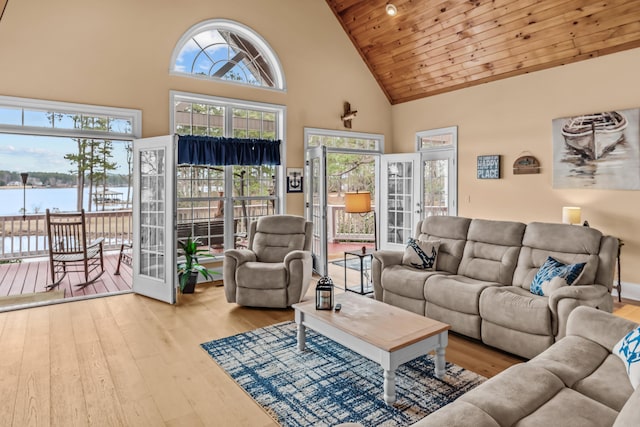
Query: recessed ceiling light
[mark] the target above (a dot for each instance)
(391, 9)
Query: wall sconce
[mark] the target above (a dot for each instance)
(24, 176)
(360, 202)
(348, 115)
(571, 215)
(391, 9)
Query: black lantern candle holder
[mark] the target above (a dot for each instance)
(324, 294)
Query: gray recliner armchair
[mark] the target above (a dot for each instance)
(275, 270)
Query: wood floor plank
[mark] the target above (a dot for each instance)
(33, 391)
(68, 406)
(130, 360)
(142, 413)
(130, 386)
(161, 378)
(12, 345)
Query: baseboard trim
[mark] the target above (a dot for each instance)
(629, 291)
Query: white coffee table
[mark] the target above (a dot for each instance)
(385, 334)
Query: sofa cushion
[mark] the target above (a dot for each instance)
(628, 350)
(515, 393)
(630, 413)
(516, 308)
(523, 344)
(406, 281)
(277, 235)
(608, 384)
(457, 414)
(571, 359)
(551, 273)
(569, 408)
(462, 323)
(456, 292)
(421, 254)
(492, 250)
(262, 275)
(451, 231)
(568, 244)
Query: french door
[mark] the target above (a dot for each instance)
(316, 205)
(401, 203)
(154, 248)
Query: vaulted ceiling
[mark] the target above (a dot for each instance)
(436, 46)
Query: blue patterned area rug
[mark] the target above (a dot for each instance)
(328, 384)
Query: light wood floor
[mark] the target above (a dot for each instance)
(130, 360)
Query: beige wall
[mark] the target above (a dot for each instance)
(513, 117)
(117, 53)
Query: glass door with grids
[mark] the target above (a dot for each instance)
(154, 253)
(316, 205)
(400, 196)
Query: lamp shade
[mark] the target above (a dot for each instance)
(571, 215)
(357, 202)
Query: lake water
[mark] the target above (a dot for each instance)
(40, 199)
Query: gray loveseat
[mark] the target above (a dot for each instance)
(484, 270)
(576, 382)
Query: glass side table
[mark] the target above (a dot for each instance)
(365, 260)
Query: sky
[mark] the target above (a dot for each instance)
(218, 53)
(27, 153)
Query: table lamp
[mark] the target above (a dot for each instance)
(360, 202)
(571, 215)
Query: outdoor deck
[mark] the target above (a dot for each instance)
(32, 275)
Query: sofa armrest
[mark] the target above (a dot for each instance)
(233, 258)
(380, 261)
(240, 256)
(297, 254)
(388, 258)
(564, 300)
(299, 266)
(598, 326)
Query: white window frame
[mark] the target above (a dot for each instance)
(243, 30)
(134, 116)
(437, 153)
(279, 110)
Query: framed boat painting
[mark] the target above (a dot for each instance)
(597, 151)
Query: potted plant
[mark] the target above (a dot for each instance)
(189, 269)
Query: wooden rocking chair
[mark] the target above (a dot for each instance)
(69, 251)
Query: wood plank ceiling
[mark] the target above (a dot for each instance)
(436, 46)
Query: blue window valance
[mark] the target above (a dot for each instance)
(219, 151)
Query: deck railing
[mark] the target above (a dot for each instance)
(24, 238)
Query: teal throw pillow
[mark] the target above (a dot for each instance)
(628, 349)
(421, 254)
(554, 274)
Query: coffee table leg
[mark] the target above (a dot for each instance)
(301, 337)
(389, 386)
(440, 362)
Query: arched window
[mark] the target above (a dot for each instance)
(224, 50)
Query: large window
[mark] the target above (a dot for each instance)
(227, 51)
(71, 157)
(217, 203)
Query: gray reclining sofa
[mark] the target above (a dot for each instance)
(484, 269)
